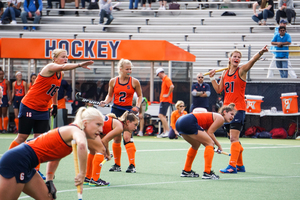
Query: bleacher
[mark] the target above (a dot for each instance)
(199, 30)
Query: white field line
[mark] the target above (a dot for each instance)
(172, 182)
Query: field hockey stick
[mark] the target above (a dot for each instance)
(222, 152)
(218, 70)
(104, 161)
(74, 148)
(79, 98)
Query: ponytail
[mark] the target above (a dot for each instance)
(227, 108)
(88, 114)
(128, 116)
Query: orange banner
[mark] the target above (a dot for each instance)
(90, 49)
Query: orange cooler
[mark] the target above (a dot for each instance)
(289, 102)
(253, 103)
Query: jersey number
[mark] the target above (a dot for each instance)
(229, 87)
(52, 90)
(122, 96)
(28, 114)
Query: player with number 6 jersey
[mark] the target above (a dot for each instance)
(233, 82)
(122, 89)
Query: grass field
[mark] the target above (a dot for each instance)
(272, 172)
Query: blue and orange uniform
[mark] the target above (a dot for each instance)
(190, 124)
(18, 96)
(94, 160)
(4, 104)
(234, 88)
(19, 162)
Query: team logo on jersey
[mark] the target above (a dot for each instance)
(128, 87)
(22, 174)
(234, 76)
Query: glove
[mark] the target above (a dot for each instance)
(135, 110)
(51, 188)
(54, 111)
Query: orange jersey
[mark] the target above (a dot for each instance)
(50, 146)
(41, 92)
(174, 116)
(19, 89)
(165, 86)
(108, 125)
(234, 88)
(123, 93)
(4, 87)
(30, 84)
(204, 119)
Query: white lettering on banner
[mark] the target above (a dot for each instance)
(287, 103)
(251, 104)
(84, 49)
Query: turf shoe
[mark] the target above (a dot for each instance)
(240, 168)
(42, 175)
(86, 181)
(229, 170)
(189, 174)
(211, 175)
(100, 182)
(131, 169)
(115, 168)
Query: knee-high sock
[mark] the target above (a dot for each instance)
(98, 158)
(235, 152)
(17, 123)
(37, 168)
(117, 150)
(13, 144)
(190, 156)
(240, 158)
(130, 148)
(1, 127)
(5, 123)
(89, 168)
(208, 158)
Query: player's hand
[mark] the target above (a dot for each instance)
(86, 64)
(51, 188)
(102, 104)
(54, 111)
(79, 179)
(135, 110)
(265, 49)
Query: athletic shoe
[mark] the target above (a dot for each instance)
(0, 22)
(149, 8)
(229, 170)
(115, 168)
(140, 134)
(163, 135)
(211, 175)
(33, 28)
(13, 22)
(25, 28)
(240, 168)
(189, 174)
(131, 169)
(42, 175)
(100, 182)
(86, 181)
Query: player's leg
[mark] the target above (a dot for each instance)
(9, 189)
(5, 119)
(25, 126)
(37, 188)
(130, 149)
(117, 151)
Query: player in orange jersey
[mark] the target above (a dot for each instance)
(199, 128)
(33, 112)
(122, 89)
(17, 173)
(5, 84)
(99, 149)
(233, 82)
(32, 80)
(19, 89)
(174, 116)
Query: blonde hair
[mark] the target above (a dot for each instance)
(227, 108)
(121, 64)
(56, 52)
(112, 115)
(128, 116)
(178, 103)
(88, 114)
(231, 53)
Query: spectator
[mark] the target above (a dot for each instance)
(162, 5)
(267, 11)
(286, 10)
(136, 4)
(32, 8)
(291, 72)
(174, 116)
(63, 2)
(12, 11)
(1, 8)
(200, 93)
(281, 40)
(144, 4)
(105, 11)
(166, 97)
(49, 3)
